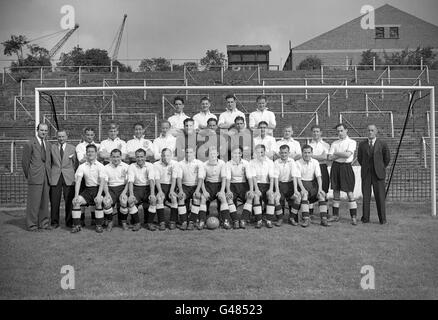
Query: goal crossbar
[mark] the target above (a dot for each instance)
(430, 89)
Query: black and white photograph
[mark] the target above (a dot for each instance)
(216, 157)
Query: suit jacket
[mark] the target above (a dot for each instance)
(380, 157)
(33, 167)
(67, 166)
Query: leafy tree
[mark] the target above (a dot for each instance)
(154, 64)
(91, 57)
(190, 66)
(213, 59)
(15, 46)
(122, 67)
(367, 59)
(310, 63)
(411, 57)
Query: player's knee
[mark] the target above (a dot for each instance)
(131, 202)
(221, 196)
(350, 196)
(197, 200)
(107, 203)
(250, 196)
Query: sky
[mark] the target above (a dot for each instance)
(186, 29)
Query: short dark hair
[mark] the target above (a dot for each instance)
(340, 125)
(315, 127)
(262, 122)
(284, 146)
(89, 129)
(260, 146)
(113, 125)
(239, 118)
(188, 120)
(166, 149)
(261, 97)
(306, 146)
(141, 150)
(165, 121)
(205, 99)
(91, 146)
(116, 151)
(230, 96)
(138, 124)
(62, 130)
(211, 119)
(178, 98)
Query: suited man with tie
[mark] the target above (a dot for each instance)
(64, 165)
(374, 156)
(36, 164)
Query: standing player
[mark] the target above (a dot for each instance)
(262, 114)
(164, 140)
(310, 184)
(268, 141)
(286, 186)
(113, 142)
(191, 174)
(264, 175)
(320, 152)
(139, 142)
(204, 115)
(341, 174)
(116, 189)
(166, 171)
(213, 188)
(94, 174)
(226, 118)
(177, 120)
(141, 184)
(294, 145)
(240, 186)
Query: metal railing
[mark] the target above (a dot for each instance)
(391, 118)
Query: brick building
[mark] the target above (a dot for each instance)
(248, 55)
(395, 31)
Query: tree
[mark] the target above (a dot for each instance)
(91, 57)
(15, 46)
(411, 57)
(367, 59)
(310, 63)
(154, 64)
(122, 67)
(213, 60)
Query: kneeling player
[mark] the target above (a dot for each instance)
(286, 186)
(141, 184)
(116, 189)
(240, 186)
(264, 175)
(191, 174)
(94, 174)
(165, 182)
(310, 185)
(213, 188)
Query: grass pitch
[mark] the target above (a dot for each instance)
(280, 263)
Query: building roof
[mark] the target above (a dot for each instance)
(414, 32)
(236, 47)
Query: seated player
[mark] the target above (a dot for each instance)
(113, 142)
(213, 188)
(94, 174)
(264, 139)
(191, 174)
(310, 186)
(166, 171)
(264, 175)
(164, 140)
(141, 184)
(286, 186)
(239, 186)
(138, 142)
(116, 190)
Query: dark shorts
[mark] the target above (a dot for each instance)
(115, 193)
(263, 187)
(342, 177)
(189, 191)
(89, 193)
(325, 177)
(312, 189)
(286, 191)
(239, 191)
(142, 193)
(213, 188)
(166, 190)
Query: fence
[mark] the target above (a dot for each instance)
(376, 120)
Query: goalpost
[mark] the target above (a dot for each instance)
(430, 89)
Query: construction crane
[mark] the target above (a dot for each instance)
(61, 42)
(119, 39)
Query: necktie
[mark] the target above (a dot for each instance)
(61, 151)
(43, 152)
(371, 146)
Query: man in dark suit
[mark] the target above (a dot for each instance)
(64, 164)
(374, 156)
(36, 163)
